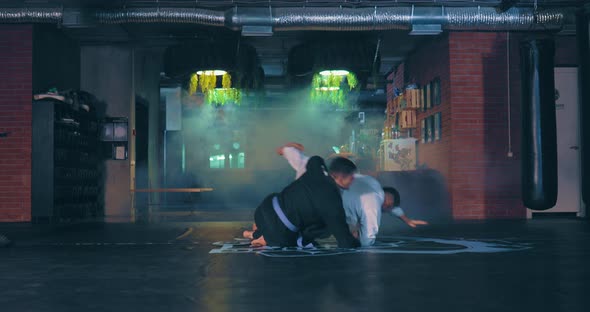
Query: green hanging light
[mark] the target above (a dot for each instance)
(332, 86)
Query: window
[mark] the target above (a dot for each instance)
(237, 160)
(423, 132)
(435, 92)
(437, 126)
(429, 96)
(227, 154)
(429, 128)
(217, 161)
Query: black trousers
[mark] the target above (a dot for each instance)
(271, 227)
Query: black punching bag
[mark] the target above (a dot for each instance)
(539, 133)
(583, 34)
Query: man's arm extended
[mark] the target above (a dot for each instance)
(399, 212)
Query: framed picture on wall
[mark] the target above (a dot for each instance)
(423, 131)
(114, 129)
(437, 126)
(436, 96)
(107, 132)
(428, 96)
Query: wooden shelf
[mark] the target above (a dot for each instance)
(403, 108)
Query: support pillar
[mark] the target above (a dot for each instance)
(147, 86)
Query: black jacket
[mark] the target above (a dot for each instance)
(313, 203)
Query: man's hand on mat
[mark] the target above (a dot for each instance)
(415, 223)
(290, 144)
(354, 230)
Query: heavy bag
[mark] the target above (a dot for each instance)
(583, 35)
(539, 133)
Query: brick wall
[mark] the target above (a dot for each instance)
(472, 153)
(485, 182)
(16, 45)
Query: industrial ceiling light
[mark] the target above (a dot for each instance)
(339, 72)
(426, 30)
(207, 81)
(327, 86)
(215, 72)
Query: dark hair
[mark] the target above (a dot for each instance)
(342, 165)
(395, 193)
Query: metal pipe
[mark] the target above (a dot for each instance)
(31, 15)
(162, 15)
(320, 18)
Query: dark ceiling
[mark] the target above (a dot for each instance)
(273, 50)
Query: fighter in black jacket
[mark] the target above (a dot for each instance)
(308, 208)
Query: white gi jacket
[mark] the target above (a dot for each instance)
(362, 203)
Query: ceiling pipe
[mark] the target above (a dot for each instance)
(314, 18)
(31, 15)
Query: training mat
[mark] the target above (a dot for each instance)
(384, 245)
(237, 242)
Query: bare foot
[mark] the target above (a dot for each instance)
(259, 242)
(248, 234)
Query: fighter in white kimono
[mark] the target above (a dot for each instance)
(365, 202)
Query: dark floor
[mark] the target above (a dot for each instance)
(121, 267)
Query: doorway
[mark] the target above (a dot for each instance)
(568, 142)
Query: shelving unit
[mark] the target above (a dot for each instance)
(397, 150)
(66, 171)
(401, 111)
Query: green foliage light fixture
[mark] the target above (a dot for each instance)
(332, 86)
(207, 81)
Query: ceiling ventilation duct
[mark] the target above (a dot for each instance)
(353, 19)
(30, 15)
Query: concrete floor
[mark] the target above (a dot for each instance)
(124, 267)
